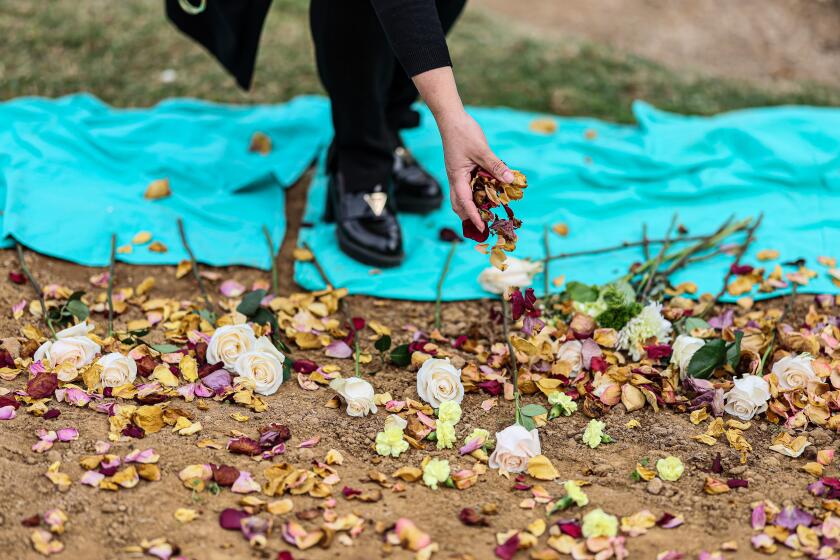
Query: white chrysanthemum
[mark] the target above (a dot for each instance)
(647, 324)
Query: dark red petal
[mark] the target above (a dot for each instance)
(471, 232)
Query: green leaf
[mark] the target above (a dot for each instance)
(287, 369)
(400, 355)
(79, 310)
(207, 315)
(383, 343)
(75, 296)
(165, 348)
(695, 323)
(139, 332)
(708, 358)
(527, 422)
(733, 350)
(581, 292)
(533, 410)
(251, 302)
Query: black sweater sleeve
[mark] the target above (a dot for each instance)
(414, 30)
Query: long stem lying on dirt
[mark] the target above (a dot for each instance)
(35, 286)
(318, 266)
(658, 260)
(274, 281)
(788, 306)
(111, 269)
(512, 351)
(441, 280)
(196, 273)
(742, 249)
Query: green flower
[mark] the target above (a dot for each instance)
(594, 435)
(449, 412)
(596, 523)
(435, 472)
(477, 433)
(670, 468)
(575, 494)
(445, 435)
(390, 442)
(565, 404)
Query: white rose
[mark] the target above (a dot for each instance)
(519, 273)
(794, 372)
(117, 370)
(228, 343)
(263, 365)
(514, 446)
(683, 350)
(357, 393)
(748, 398)
(439, 381)
(570, 352)
(71, 346)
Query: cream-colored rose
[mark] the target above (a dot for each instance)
(794, 372)
(117, 370)
(439, 381)
(263, 365)
(228, 343)
(519, 274)
(357, 393)
(748, 398)
(683, 350)
(514, 446)
(570, 352)
(71, 346)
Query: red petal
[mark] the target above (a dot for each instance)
(471, 232)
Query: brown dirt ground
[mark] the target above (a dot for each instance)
(101, 522)
(753, 39)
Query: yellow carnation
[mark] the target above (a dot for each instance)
(449, 412)
(390, 442)
(670, 468)
(594, 433)
(575, 494)
(435, 472)
(597, 523)
(445, 435)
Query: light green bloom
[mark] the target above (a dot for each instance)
(477, 433)
(596, 523)
(390, 442)
(435, 472)
(449, 412)
(575, 494)
(445, 435)
(564, 402)
(670, 468)
(594, 433)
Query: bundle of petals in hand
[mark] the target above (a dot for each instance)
(489, 193)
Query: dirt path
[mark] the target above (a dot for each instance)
(765, 40)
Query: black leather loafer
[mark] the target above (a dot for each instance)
(416, 191)
(366, 224)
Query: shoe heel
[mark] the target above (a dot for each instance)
(329, 207)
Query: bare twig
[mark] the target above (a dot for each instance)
(625, 245)
(274, 281)
(441, 280)
(512, 351)
(35, 286)
(742, 249)
(111, 272)
(704, 244)
(659, 257)
(645, 243)
(318, 266)
(196, 274)
(547, 246)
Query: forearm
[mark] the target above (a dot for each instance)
(437, 88)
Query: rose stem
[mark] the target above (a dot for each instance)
(625, 245)
(441, 280)
(788, 307)
(701, 246)
(274, 282)
(111, 268)
(512, 352)
(658, 261)
(742, 249)
(645, 242)
(195, 271)
(547, 247)
(35, 286)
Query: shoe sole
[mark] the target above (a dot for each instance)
(366, 256)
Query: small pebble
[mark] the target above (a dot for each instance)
(654, 486)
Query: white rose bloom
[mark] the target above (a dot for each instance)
(647, 324)
(514, 446)
(794, 372)
(518, 274)
(683, 350)
(748, 398)
(72, 346)
(263, 365)
(570, 352)
(357, 393)
(117, 370)
(228, 343)
(439, 381)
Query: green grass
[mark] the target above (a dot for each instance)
(117, 50)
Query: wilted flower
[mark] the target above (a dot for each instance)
(565, 404)
(593, 434)
(646, 325)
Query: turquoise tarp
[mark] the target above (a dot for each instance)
(604, 181)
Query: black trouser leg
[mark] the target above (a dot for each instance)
(401, 91)
(356, 66)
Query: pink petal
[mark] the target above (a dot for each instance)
(245, 484)
(338, 349)
(231, 288)
(92, 478)
(68, 434)
(7, 412)
(19, 306)
(144, 456)
(471, 445)
(102, 447)
(312, 442)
